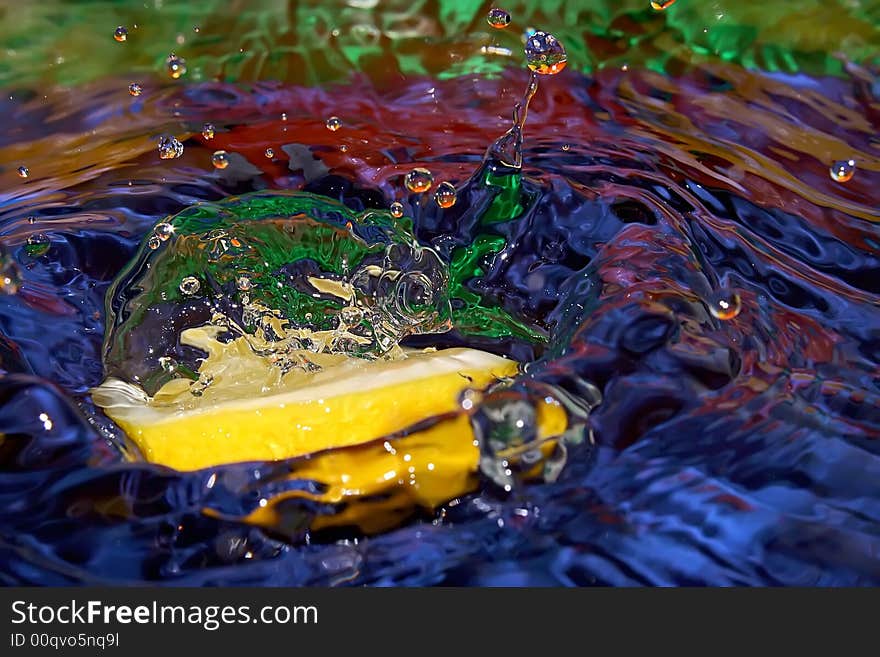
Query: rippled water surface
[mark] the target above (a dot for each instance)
(682, 158)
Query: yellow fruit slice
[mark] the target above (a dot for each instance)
(394, 428)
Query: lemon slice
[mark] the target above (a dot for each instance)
(339, 414)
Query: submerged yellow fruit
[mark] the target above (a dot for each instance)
(393, 428)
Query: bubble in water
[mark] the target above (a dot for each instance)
(163, 230)
(208, 131)
(333, 123)
(498, 18)
(220, 159)
(270, 153)
(724, 304)
(37, 245)
(10, 275)
(121, 34)
(545, 54)
(23, 172)
(176, 66)
(396, 209)
(170, 148)
(419, 180)
(660, 6)
(445, 195)
(135, 89)
(190, 285)
(843, 170)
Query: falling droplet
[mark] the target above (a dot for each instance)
(333, 123)
(284, 116)
(270, 153)
(154, 242)
(419, 180)
(170, 148)
(445, 195)
(176, 66)
(23, 172)
(121, 34)
(37, 245)
(724, 304)
(545, 54)
(163, 230)
(135, 89)
(843, 170)
(10, 275)
(660, 6)
(208, 131)
(220, 159)
(190, 285)
(498, 18)
(396, 209)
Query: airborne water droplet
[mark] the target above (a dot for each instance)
(154, 242)
(498, 18)
(23, 172)
(333, 123)
(121, 34)
(396, 209)
(270, 153)
(37, 245)
(170, 148)
(445, 195)
(220, 159)
(843, 170)
(724, 304)
(419, 180)
(208, 131)
(135, 89)
(163, 230)
(176, 66)
(545, 54)
(190, 285)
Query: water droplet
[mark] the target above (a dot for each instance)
(176, 66)
(208, 131)
(32, 220)
(168, 364)
(23, 172)
(843, 170)
(196, 29)
(190, 285)
(498, 18)
(243, 283)
(284, 116)
(10, 275)
(445, 195)
(163, 230)
(135, 89)
(121, 34)
(396, 209)
(419, 180)
(37, 245)
(724, 304)
(154, 242)
(545, 54)
(660, 6)
(333, 123)
(170, 148)
(565, 147)
(220, 159)
(270, 153)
